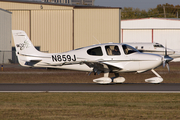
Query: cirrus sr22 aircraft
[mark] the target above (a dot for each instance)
(101, 58)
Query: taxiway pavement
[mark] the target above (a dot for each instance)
(91, 87)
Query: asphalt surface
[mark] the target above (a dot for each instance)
(90, 87)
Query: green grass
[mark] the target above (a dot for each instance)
(90, 106)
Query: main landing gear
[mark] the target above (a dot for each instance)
(107, 80)
(157, 79)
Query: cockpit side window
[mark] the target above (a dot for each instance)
(158, 45)
(112, 50)
(128, 49)
(95, 51)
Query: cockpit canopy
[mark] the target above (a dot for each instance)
(157, 45)
(111, 50)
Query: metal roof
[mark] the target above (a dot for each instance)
(151, 23)
(61, 4)
(152, 18)
(5, 11)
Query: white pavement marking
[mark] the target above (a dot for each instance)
(90, 91)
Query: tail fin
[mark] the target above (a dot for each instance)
(22, 43)
(24, 47)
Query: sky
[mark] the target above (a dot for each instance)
(141, 4)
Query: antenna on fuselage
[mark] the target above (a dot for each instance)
(96, 39)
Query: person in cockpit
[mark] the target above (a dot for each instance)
(116, 51)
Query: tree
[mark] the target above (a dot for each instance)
(168, 10)
(131, 13)
(154, 13)
(161, 11)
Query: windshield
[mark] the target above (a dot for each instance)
(128, 49)
(158, 45)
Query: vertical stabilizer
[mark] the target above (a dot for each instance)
(24, 47)
(22, 43)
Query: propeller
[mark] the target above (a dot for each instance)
(166, 59)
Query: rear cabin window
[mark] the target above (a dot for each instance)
(95, 51)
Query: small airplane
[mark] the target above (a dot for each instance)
(101, 58)
(155, 48)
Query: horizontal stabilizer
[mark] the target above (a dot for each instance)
(32, 62)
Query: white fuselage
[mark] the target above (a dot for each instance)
(126, 62)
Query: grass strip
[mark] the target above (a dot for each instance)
(90, 106)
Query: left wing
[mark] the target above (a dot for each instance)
(98, 66)
(102, 66)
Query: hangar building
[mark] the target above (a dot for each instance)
(57, 27)
(5, 36)
(160, 30)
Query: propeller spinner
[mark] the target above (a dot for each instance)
(166, 59)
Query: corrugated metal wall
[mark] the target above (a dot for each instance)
(162, 36)
(57, 28)
(5, 36)
(152, 30)
(103, 24)
(49, 29)
(52, 30)
(169, 37)
(48, 26)
(136, 35)
(21, 21)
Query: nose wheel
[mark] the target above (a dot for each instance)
(157, 79)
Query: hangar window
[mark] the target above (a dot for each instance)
(95, 51)
(128, 49)
(112, 50)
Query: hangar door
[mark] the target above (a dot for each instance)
(169, 37)
(128, 35)
(52, 30)
(21, 21)
(94, 26)
(49, 29)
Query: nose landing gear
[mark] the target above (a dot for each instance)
(157, 79)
